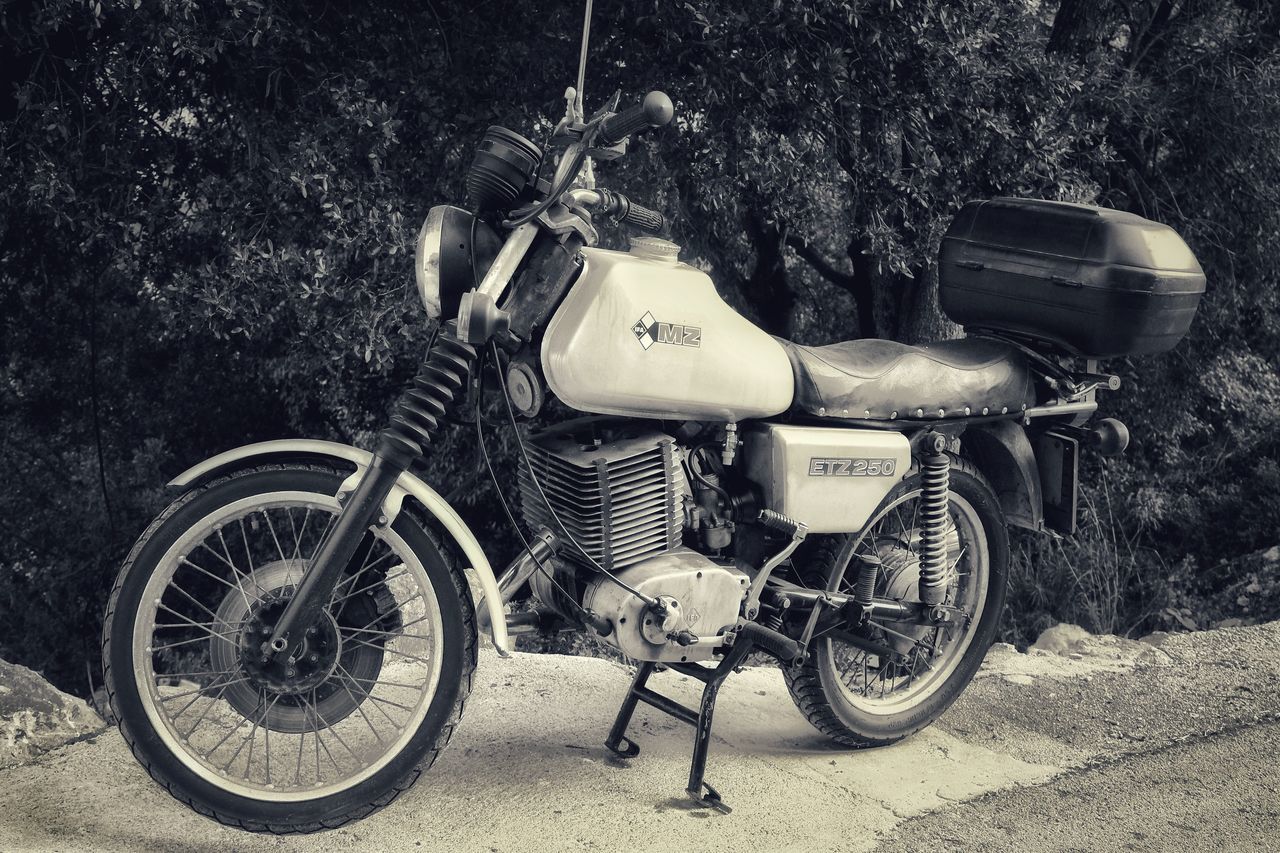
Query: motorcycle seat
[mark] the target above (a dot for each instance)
(885, 380)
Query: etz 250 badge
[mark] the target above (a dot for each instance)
(822, 466)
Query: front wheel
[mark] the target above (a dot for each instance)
(859, 698)
(336, 732)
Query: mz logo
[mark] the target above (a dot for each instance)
(649, 332)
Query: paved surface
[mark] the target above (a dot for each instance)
(1220, 792)
(1129, 747)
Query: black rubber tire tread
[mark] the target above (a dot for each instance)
(805, 682)
(410, 514)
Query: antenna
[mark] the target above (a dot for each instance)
(582, 58)
(588, 175)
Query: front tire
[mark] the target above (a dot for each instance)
(858, 699)
(358, 717)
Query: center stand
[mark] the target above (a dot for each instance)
(748, 638)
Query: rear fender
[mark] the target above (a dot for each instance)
(408, 485)
(1003, 454)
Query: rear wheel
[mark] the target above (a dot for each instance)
(346, 724)
(861, 699)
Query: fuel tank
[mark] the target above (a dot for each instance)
(646, 336)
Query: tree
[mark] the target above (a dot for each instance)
(208, 211)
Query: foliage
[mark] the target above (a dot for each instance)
(208, 209)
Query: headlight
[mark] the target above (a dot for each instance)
(454, 251)
(426, 260)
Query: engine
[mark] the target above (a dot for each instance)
(620, 491)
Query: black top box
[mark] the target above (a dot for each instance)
(1086, 280)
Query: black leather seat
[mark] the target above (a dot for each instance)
(884, 379)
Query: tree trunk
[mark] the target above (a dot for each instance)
(1077, 26)
(767, 289)
(863, 288)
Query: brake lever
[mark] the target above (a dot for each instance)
(612, 152)
(606, 152)
(610, 107)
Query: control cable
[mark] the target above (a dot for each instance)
(502, 498)
(533, 478)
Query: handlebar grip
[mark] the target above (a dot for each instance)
(642, 217)
(622, 209)
(654, 111)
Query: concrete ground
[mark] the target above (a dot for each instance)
(1108, 745)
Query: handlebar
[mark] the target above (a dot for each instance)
(654, 111)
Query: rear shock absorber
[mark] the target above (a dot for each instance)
(935, 471)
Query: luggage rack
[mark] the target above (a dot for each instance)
(1073, 386)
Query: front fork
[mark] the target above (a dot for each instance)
(442, 378)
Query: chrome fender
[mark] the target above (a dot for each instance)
(407, 485)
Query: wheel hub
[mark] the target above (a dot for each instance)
(325, 680)
(900, 581)
(309, 667)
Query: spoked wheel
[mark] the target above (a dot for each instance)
(328, 736)
(860, 698)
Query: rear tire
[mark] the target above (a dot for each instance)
(286, 808)
(825, 690)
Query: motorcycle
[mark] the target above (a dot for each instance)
(291, 643)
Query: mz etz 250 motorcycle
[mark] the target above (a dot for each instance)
(291, 643)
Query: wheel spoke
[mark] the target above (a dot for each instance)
(202, 570)
(175, 645)
(211, 750)
(234, 571)
(388, 579)
(367, 693)
(302, 743)
(316, 711)
(318, 773)
(248, 556)
(195, 674)
(348, 581)
(266, 515)
(196, 698)
(359, 703)
(400, 633)
(399, 605)
(297, 543)
(347, 680)
(221, 558)
(172, 696)
(178, 589)
(325, 747)
(392, 651)
(257, 721)
(191, 622)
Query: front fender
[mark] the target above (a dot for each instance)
(408, 485)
